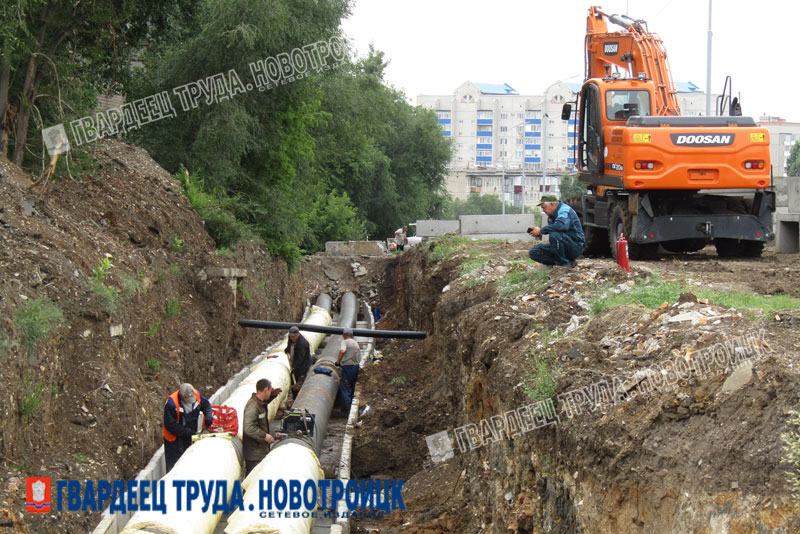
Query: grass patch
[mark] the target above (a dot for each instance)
(523, 277)
(153, 329)
(173, 308)
(106, 297)
(472, 264)
(130, 285)
(173, 269)
(177, 244)
(35, 320)
(31, 399)
(539, 383)
(398, 380)
(652, 293)
(448, 246)
(153, 364)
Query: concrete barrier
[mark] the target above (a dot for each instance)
(432, 228)
(355, 248)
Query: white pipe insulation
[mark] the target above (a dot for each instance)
(291, 462)
(207, 461)
(276, 369)
(216, 458)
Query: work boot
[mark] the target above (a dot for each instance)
(573, 263)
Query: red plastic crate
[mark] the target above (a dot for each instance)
(225, 420)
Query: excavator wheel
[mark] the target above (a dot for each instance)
(685, 245)
(596, 238)
(596, 241)
(621, 221)
(738, 248)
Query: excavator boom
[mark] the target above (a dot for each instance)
(635, 49)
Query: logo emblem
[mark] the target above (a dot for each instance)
(37, 494)
(610, 49)
(711, 139)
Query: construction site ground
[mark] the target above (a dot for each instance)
(85, 400)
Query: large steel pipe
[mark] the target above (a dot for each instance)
(277, 368)
(219, 457)
(319, 390)
(358, 332)
(301, 452)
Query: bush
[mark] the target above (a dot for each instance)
(35, 320)
(106, 297)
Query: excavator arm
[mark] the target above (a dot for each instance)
(640, 52)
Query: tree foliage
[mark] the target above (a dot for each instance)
(336, 155)
(793, 162)
(570, 187)
(56, 56)
(476, 205)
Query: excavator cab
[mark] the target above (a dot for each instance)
(621, 104)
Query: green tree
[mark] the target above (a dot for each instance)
(477, 205)
(257, 147)
(388, 156)
(793, 161)
(56, 56)
(570, 187)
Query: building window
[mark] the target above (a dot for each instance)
(443, 113)
(484, 127)
(519, 154)
(484, 114)
(504, 128)
(484, 153)
(504, 141)
(520, 141)
(533, 128)
(533, 114)
(504, 116)
(475, 181)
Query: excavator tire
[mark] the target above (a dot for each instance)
(596, 238)
(622, 221)
(738, 248)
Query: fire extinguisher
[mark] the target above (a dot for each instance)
(622, 253)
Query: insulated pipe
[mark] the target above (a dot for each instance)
(295, 462)
(358, 332)
(298, 453)
(319, 390)
(277, 368)
(219, 457)
(208, 461)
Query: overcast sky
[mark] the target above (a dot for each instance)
(435, 45)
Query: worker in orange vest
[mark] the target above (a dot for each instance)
(181, 420)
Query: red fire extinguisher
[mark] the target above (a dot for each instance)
(622, 253)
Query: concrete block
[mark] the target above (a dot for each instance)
(351, 248)
(507, 237)
(495, 224)
(793, 193)
(431, 228)
(788, 233)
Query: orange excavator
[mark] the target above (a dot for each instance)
(681, 182)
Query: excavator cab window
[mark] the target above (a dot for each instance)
(622, 104)
(590, 148)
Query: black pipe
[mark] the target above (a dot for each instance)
(318, 392)
(358, 332)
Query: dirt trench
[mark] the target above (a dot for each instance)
(695, 457)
